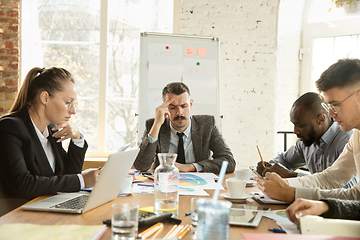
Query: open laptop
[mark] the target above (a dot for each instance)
(124, 147)
(105, 189)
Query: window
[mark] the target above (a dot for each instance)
(98, 42)
(327, 37)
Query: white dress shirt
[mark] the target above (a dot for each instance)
(188, 145)
(49, 151)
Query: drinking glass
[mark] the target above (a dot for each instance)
(213, 219)
(124, 221)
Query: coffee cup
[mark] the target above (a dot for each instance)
(236, 187)
(243, 174)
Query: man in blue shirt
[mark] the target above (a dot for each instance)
(320, 140)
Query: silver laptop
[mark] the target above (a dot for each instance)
(105, 189)
(124, 147)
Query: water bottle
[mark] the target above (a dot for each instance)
(166, 185)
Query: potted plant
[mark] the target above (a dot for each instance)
(349, 6)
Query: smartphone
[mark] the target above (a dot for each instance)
(256, 173)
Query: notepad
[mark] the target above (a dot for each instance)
(42, 232)
(146, 209)
(335, 227)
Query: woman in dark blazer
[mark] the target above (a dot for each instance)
(32, 159)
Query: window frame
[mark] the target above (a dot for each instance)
(27, 51)
(310, 31)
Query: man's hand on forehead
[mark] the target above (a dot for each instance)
(167, 102)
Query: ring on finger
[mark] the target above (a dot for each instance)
(64, 133)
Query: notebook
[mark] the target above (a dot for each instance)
(105, 189)
(325, 226)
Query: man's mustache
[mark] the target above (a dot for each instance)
(179, 117)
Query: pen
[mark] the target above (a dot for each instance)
(276, 230)
(134, 173)
(188, 213)
(86, 190)
(146, 184)
(260, 156)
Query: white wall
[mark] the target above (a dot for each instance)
(259, 70)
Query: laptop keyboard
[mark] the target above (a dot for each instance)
(74, 203)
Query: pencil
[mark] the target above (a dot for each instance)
(158, 232)
(152, 231)
(171, 230)
(176, 231)
(260, 156)
(182, 230)
(184, 233)
(149, 229)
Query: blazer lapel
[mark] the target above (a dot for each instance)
(196, 139)
(40, 156)
(164, 136)
(59, 167)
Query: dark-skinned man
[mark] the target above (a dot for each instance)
(320, 141)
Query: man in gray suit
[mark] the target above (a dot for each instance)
(174, 126)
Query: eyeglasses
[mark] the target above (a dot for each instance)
(72, 104)
(328, 106)
(69, 104)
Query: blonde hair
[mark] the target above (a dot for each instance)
(38, 80)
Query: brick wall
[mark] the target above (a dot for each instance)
(259, 73)
(9, 52)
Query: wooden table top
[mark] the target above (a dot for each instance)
(97, 215)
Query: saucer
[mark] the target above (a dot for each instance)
(236, 200)
(249, 183)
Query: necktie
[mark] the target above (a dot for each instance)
(181, 152)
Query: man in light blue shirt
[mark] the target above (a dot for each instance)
(320, 140)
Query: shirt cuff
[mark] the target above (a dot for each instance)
(82, 182)
(79, 142)
(293, 182)
(307, 193)
(199, 168)
(151, 139)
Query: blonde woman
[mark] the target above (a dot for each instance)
(33, 161)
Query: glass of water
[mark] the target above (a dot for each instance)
(194, 213)
(213, 219)
(124, 221)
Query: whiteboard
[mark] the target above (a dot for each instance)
(165, 58)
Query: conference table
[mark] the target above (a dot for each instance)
(97, 215)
